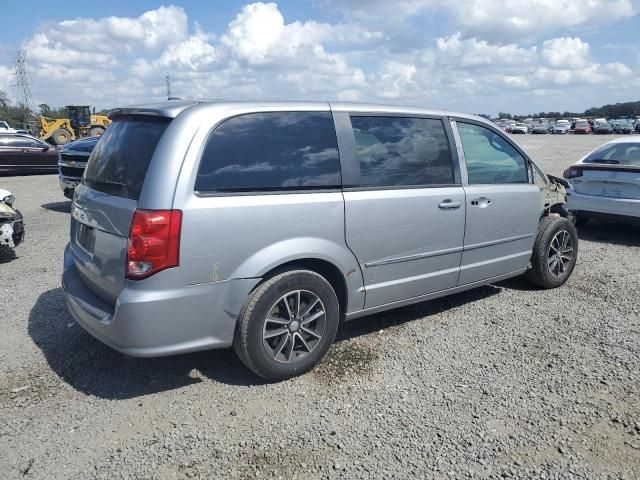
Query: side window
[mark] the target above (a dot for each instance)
(402, 151)
(31, 143)
(490, 158)
(271, 151)
(20, 142)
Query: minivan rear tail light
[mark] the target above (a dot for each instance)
(572, 172)
(154, 242)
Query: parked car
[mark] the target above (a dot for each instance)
(560, 128)
(5, 128)
(541, 128)
(206, 225)
(72, 161)
(623, 127)
(582, 128)
(606, 182)
(23, 154)
(637, 126)
(11, 221)
(602, 128)
(519, 128)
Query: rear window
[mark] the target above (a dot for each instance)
(616, 154)
(271, 151)
(119, 161)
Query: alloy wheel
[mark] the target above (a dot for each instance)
(560, 253)
(294, 326)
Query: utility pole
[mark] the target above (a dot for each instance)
(168, 80)
(22, 83)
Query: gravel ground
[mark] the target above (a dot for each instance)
(502, 381)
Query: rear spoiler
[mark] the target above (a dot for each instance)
(607, 166)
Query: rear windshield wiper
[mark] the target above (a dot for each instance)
(602, 160)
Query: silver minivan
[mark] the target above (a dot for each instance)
(202, 225)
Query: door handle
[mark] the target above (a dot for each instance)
(449, 205)
(481, 202)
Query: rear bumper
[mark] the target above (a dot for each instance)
(158, 322)
(625, 207)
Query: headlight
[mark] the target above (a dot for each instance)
(9, 199)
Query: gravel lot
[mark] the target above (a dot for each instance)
(502, 381)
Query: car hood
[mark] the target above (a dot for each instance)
(82, 145)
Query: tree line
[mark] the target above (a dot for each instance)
(20, 114)
(624, 109)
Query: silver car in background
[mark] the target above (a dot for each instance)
(264, 225)
(606, 182)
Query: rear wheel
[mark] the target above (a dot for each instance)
(96, 131)
(287, 325)
(61, 136)
(555, 252)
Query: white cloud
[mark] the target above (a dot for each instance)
(42, 48)
(566, 52)
(151, 30)
(495, 19)
(260, 54)
(517, 18)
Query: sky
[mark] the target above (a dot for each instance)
(480, 56)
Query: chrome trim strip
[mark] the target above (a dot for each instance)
(497, 242)
(446, 251)
(409, 258)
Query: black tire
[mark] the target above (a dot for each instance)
(96, 131)
(61, 136)
(249, 343)
(544, 272)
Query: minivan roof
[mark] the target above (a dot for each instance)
(172, 108)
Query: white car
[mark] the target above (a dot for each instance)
(519, 128)
(606, 182)
(5, 128)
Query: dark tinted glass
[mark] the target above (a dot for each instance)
(616, 154)
(271, 151)
(17, 141)
(490, 158)
(119, 161)
(397, 151)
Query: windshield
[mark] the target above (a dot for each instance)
(582, 124)
(616, 154)
(119, 161)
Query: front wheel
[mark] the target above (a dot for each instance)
(287, 325)
(96, 131)
(61, 136)
(555, 252)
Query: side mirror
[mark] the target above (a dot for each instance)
(45, 148)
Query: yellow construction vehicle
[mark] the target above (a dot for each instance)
(81, 123)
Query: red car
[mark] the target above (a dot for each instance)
(582, 127)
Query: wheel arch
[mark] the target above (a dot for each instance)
(335, 263)
(326, 269)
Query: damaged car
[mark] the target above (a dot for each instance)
(263, 225)
(11, 223)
